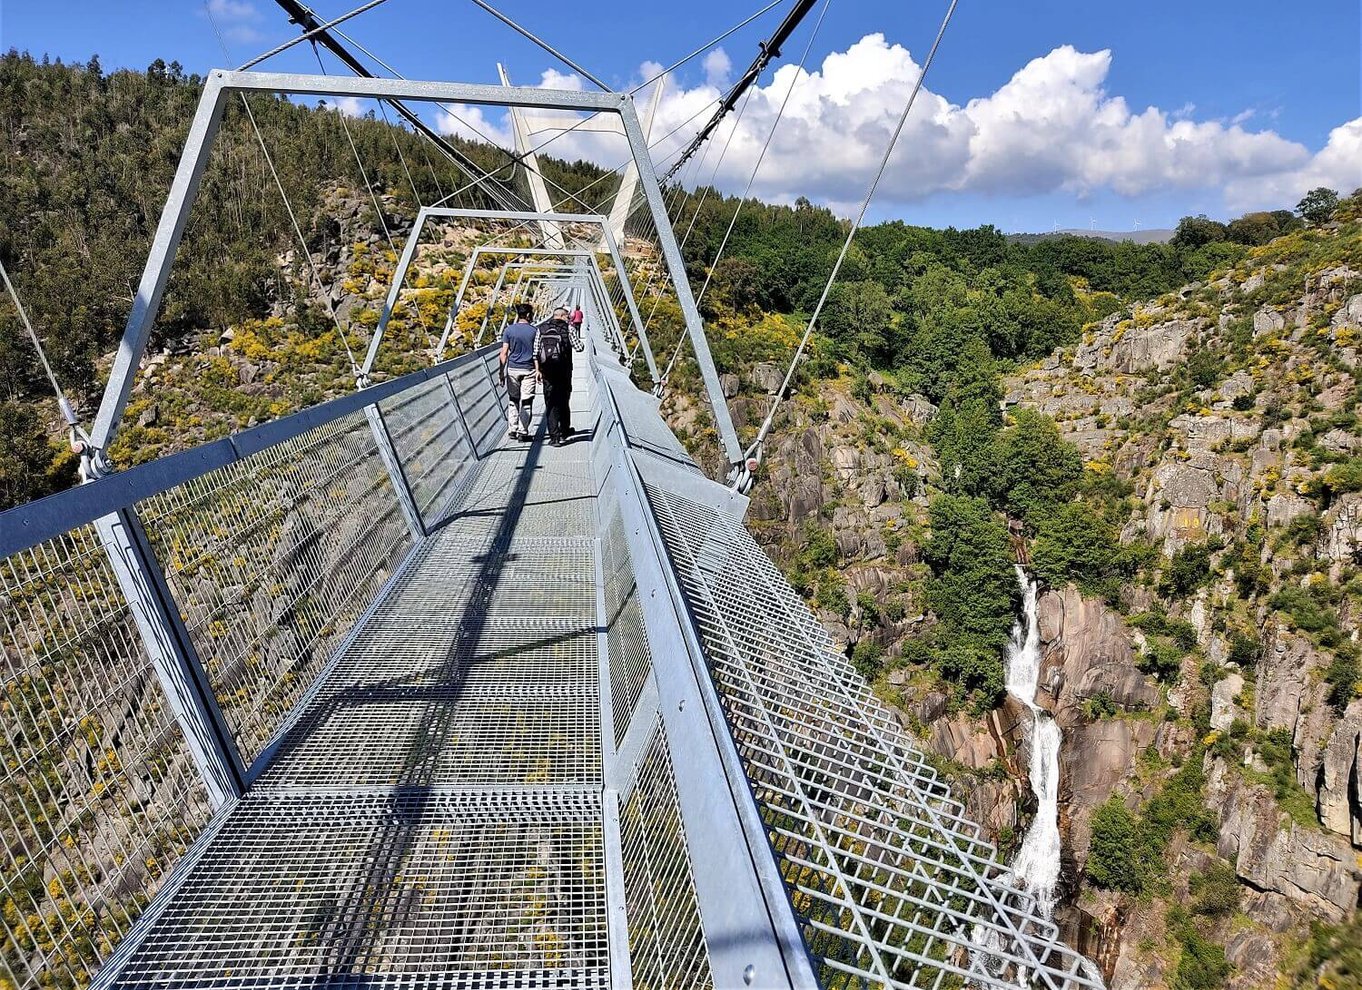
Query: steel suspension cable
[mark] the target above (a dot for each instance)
(733, 222)
(278, 184)
(526, 33)
(416, 195)
(308, 35)
(304, 17)
(302, 241)
(754, 451)
(714, 177)
(762, 155)
(707, 45)
(67, 410)
(363, 174)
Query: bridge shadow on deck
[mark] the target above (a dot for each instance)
(415, 869)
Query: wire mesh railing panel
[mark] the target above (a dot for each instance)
(101, 797)
(645, 428)
(461, 889)
(630, 660)
(482, 409)
(430, 443)
(666, 941)
(894, 886)
(272, 559)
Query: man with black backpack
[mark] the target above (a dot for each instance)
(553, 346)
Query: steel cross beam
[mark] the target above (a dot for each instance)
(539, 273)
(221, 83)
(428, 212)
(582, 253)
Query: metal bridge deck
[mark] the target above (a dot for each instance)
(434, 813)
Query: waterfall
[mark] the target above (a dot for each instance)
(1036, 866)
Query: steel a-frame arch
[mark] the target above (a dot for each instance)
(221, 84)
(427, 213)
(583, 256)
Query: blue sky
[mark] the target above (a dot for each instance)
(1038, 114)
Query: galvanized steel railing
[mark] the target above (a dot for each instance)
(270, 546)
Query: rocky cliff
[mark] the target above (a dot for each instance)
(1229, 411)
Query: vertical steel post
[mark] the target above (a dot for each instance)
(188, 690)
(728, 436)
(147, 303)
(388, 454)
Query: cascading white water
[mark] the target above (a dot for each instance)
(1036, 866)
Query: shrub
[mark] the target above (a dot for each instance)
(1114, 857)
(1189, 569)
(976, 668)
(1100, 705)
(867, 656)
(1343, 675)
(820, 549)
(832, 596)
(1301, 531)
(1161, 660)
(1202, 965)
(1245, 650)
(1215, 892)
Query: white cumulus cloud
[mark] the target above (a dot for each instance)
(1053, 127)
(236, 19)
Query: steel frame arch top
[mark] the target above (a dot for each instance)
(596, 278)
(221, 83)
(427, 212)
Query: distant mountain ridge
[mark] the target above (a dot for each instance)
(1154, 235)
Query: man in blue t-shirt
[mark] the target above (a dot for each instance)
(518, 372)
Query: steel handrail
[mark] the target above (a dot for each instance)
(28, 525)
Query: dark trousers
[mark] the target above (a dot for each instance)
(557, 394)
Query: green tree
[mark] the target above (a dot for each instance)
(1034, 466)
(973, 589)
(1318, 205)
(859, 317)
(26, 456)
(1114, 855)
(1073, 543)
(1194, 232)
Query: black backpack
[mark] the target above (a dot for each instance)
(553, 345)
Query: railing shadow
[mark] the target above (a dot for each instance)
(359, 921)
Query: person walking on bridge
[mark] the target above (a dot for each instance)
(577, 322)
(518, 373)
(553, 346)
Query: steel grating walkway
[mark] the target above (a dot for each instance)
(433, 815)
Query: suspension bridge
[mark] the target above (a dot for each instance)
(371, 696)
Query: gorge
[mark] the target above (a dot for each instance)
(1174, 428)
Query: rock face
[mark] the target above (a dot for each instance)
(990, 799)
(1311, 868)
(1342, 539)
(1135, 348)
(1340, 784)
(1087, 653)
